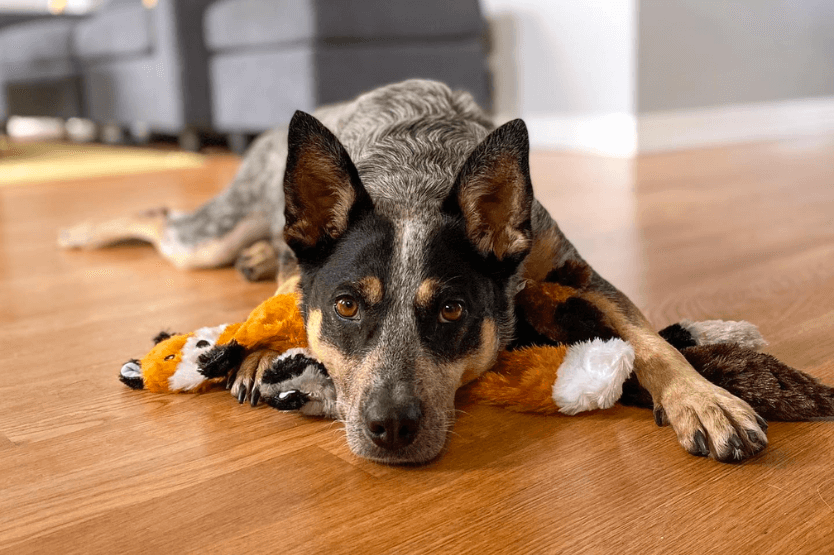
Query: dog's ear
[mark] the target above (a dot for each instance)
(322, 189)
(494, 195)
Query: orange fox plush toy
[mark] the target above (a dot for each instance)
(544, 377)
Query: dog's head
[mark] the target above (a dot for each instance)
(404, 304)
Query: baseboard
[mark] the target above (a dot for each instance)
(657, 131)
(605, 134)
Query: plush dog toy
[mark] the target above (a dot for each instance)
(565, 362)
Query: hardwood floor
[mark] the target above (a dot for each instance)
(87, 465)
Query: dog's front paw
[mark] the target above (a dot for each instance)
(709, 422)
(246, 382)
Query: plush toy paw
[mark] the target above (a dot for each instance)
(297, 381)
(221, 360)
(131, 374)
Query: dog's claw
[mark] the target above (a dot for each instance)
(660, 416)
(762, 423)
(700, 444)
(255, 397)
(241, 396)
(736, 452)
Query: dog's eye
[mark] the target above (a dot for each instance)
(347, 307)
(202, 343)
(451, 311)
(170, 357)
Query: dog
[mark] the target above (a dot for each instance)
(412, 225)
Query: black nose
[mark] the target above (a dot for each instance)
(392, 425)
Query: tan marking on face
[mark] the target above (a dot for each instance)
(486, 355)
(371, 289)
(352, 375)
(425, 292)
(330, 356)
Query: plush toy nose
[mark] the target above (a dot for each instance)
(392, 424)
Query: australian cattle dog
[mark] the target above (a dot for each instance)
(412, 223)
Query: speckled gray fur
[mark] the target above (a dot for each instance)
(408, 141)
(257, 189)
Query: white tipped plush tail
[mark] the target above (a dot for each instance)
(709, 332)
(592, 375)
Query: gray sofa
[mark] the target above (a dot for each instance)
(38, 74)
(271, 57)
(238, 67)
(145, 69)
(7, 19)
(125, 65)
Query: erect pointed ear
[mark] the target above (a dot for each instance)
(494, 195)
(322, 190)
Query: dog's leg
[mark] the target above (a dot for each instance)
(215, 233)
(707, 419)
(269, 259)
(246, 382)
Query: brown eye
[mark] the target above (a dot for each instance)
(451, 311)
(170, 357)
(347, 307)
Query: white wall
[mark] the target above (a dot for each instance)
(620, 76)
(719, 72)
(568, 68)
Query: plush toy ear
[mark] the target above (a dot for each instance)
(322, 189)
(162, 336)
(494, 194)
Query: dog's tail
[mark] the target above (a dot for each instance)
(725, 354)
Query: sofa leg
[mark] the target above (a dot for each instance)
(112, 134)
(190, 140)
(80, 130)
(237, 142)
(140, 133)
